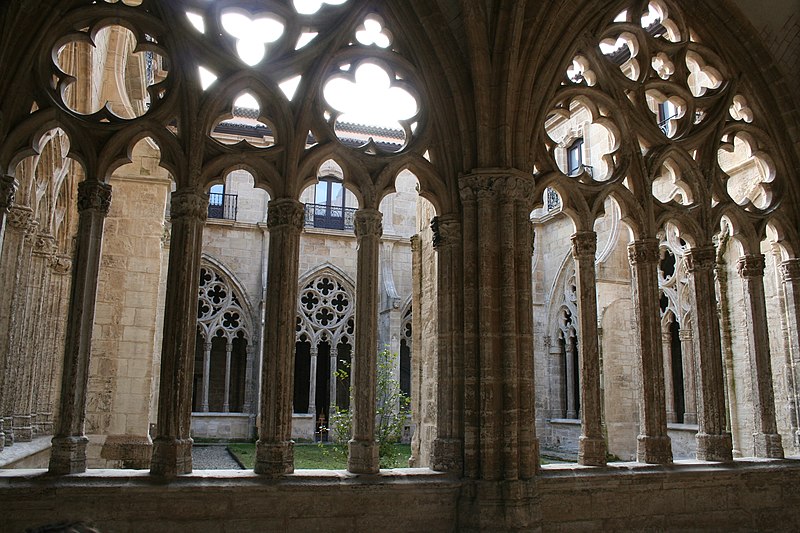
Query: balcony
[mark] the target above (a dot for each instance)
(325, 216)
(223, 206)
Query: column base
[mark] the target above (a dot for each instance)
(654, 450)
(2, 435)
(274, 459)
(797, 440)
(363, 457)
(591, 451)
(134, 451)
(690, 418)
(9, 431)
(446, 455)
(23, 430)
(68, 455)
(714, 447)
(768, 445)
(171, 457)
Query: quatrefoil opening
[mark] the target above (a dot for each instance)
(750, 170)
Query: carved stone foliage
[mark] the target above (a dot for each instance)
(94, 196)
(189, 204)
(325, 310)
(8, 187)
(285, 212)
(219, 310)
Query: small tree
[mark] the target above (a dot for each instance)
(391, 410)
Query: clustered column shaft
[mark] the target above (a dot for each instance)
(767, 441)
(68, 453)
(172, 447)
(790, 274)
(654, 444)
(592, 445)
(363, 456)
(714, 441)
(274, 449)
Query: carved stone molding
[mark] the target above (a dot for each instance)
(505, 184)
(285, 212)
(446, 231)
(93, 195)
(584, 244)
(188, 204)
(44, 244)
(644, 251)
(368, 222)
(61, 264)
(751, 266)
(20, 217)
(8, 187)
(790, 270)
(701, 258)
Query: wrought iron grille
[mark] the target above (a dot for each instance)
(329, 217)
(223, 206)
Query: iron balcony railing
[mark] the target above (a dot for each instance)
(223, 206)
(329, 217)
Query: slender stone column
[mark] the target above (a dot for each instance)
(363, 456)
(689, 378)
(332, 384)
(206, 375)
(226, 404)
(654, 445)
(447, 448)
(714, 442)
(569, 363)
(312, 383)
(669, 385)
(274, 449)
(790, 275)
(592, 445)
(766, 437)
(68, 455)
(172, 447)
(61, 267)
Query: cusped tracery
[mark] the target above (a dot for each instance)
(219, 307)
(325, 310)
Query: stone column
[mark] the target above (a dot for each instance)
(689, 378)
(206, 376)
(68, 455)
(274, 449)
(767, 441)
(312, 383)
(61, 267)
(669, 385)
(654, 445)
(8, 185)
(447, 448)
(363, 456)
(790, 275)
(714, 442)
(332, 384)
(172, 447)
(569, 363)
(226, 403)
(592, 445)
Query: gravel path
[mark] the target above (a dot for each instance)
(213, 458)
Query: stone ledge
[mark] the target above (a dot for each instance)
(23, 450)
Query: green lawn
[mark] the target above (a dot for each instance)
(315, 456)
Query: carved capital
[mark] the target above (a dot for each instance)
(368, 222)
(8, 187)
(188, 204)
(285, 212)
(415, 243)
(701, 259)
(20, 217)
(644, 251)
(95, 196)
(751, 266)
(61, 264)
(584, 245)
(44, 244)
(503, 184)
(446, 231)
(790, 270)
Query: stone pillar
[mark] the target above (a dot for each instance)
(68, 455)
(767, 441)
(689, 378)
(447, 448)
(172, 447)
(669, 385)
(363, 456)
(226, 403)
(654, 445)
(8, 185)
(592, 445)
(206, 376)
(274, 449)
(332, 379)
(312, 383)
(61, 267)
(790, 275)
(569, 363)
(714, 441)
